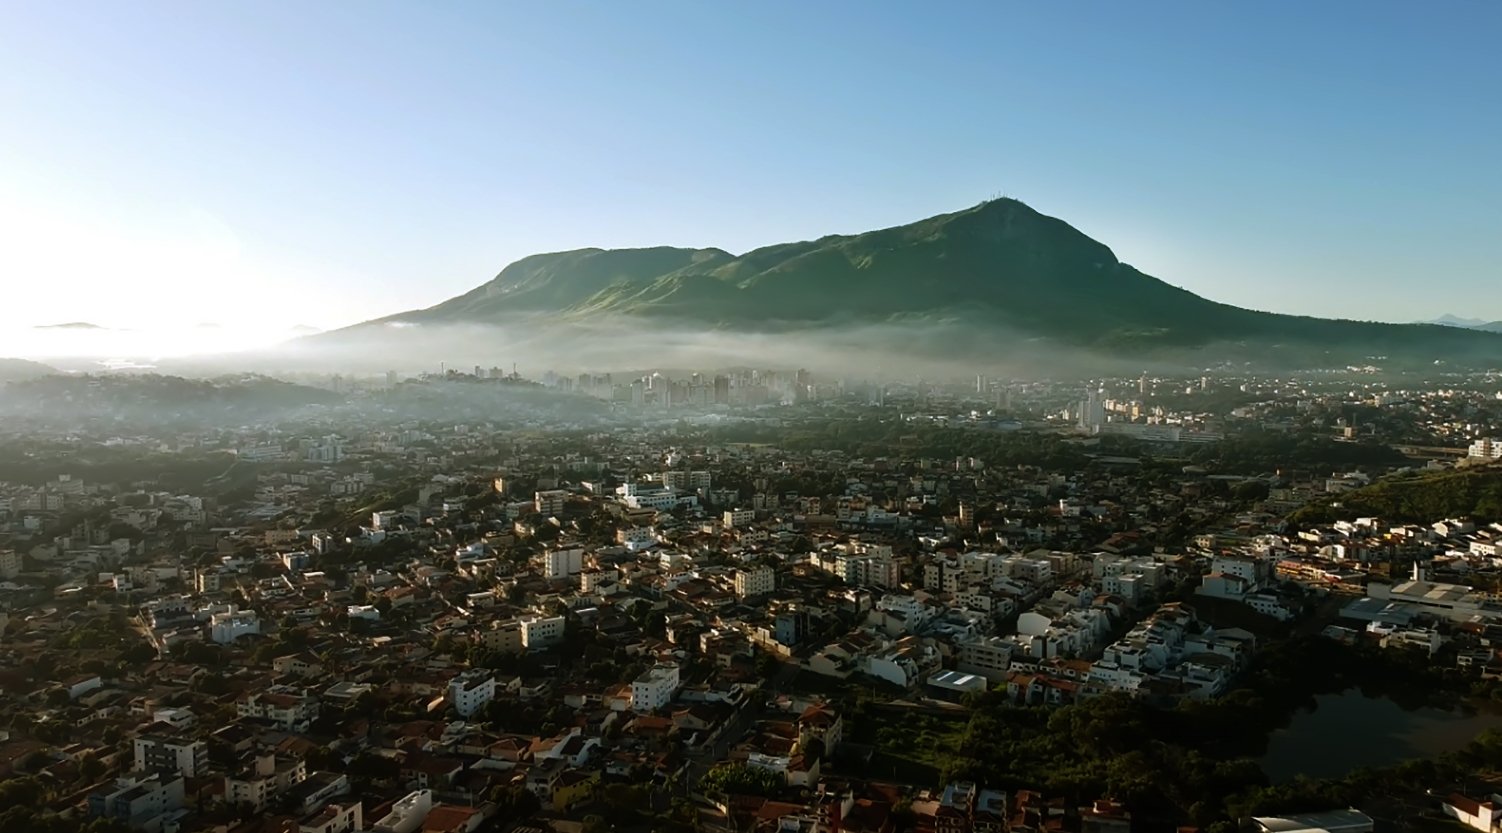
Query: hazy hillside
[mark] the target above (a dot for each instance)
(1419, 497)
(999, 268)
(155, 400)
(14, 370)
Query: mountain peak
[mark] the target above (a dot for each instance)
(1448, 320)
(999, 266)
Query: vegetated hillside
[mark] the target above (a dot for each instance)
(999, 266)
(1416, 497)
(13, 370)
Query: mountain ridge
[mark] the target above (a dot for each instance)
(15, 370)
(999, 265)
(1448, 320)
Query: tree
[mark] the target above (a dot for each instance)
(656, 623)
(767, 665)
(627, 800)
(514, 803)
(90, 768)
(1251, 491)
(741, 779)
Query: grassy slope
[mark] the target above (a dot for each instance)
(1420, 497)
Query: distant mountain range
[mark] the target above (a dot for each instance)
(71, 325)
(999, 268)
(1467, 323)
(15, 370)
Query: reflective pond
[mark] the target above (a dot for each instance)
(1348, 731)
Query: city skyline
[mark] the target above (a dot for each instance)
(333, 165)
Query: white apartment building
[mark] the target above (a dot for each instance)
(541, 631)
(139, 802)
(1254, 571)
(636, 536)
(227, 626)
(1115, 677)
(407, 814)
(907, 608)
(10, 564)
(261, 453)
(291, 708)
(1038, 571)
(1131, 587)
(183, 755)
(959, 573)
(503, 636)
(592, 580)
(1269, 604)
(549, 502)
(989, 657)
(1485, 449)
(471, 690)
(207, 580)
(175, 717)
(739, 517)
(265, 778)
(873, 569)
(659, 499)
(562, 563)
(1130, 578)
(335, 818)
(690, 480)
(756, 581)
(654, 688)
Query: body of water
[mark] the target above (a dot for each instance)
(1348, 731)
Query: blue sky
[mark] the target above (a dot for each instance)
(287, 163)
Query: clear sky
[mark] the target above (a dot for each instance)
(280, 163)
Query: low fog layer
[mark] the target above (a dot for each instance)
(928, 349)
(86, 343)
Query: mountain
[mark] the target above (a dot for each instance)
(15, 370)
(1482, 324)
(71, 325)
(1448, 320)
(997, 268)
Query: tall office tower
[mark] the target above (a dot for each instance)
(1092, 412)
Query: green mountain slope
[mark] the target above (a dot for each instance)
(999, 266)
(1420, 497)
